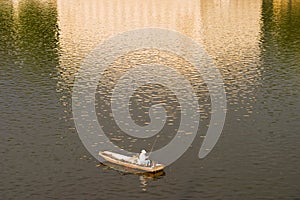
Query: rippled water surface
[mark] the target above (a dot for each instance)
(255, 45)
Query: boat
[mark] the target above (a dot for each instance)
(126, 170)
(130, 162)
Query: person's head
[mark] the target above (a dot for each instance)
(143, 151)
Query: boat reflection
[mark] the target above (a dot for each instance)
(144, 177)
(126, 170)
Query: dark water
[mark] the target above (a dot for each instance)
(256, 47)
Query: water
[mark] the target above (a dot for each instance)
(256, 47)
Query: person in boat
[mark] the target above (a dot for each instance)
(143, 158)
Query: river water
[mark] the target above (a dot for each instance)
(255, 45)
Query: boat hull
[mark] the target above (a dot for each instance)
(122, 160)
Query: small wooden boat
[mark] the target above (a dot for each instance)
(130, 162)
(127, 170)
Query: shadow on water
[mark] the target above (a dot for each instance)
(280, 30)
(280, 50)
(38, 35)
(29, 54)
(7, 34)
(29, 43)
(29, 36)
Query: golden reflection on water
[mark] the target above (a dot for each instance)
(147, 96)
(229, 30)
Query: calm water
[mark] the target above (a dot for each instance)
(256, 47)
